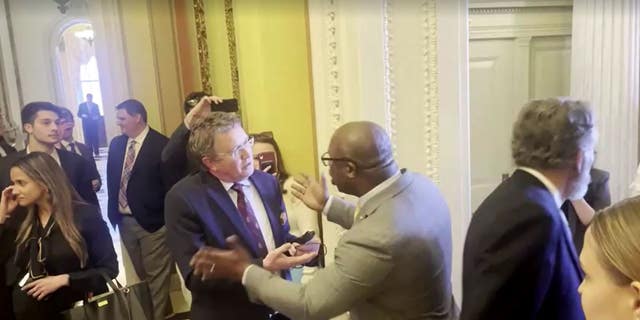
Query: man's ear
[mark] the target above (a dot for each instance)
(28, 128)
(351, 169)
(209, 163)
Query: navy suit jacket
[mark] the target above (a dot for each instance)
(199, 212)
(148, 183)
(519, 260)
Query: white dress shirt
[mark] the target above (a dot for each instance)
(257, 206)
(54, 154)
(65, 144)
(136, 148)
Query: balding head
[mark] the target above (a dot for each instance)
(362, 157)
(364, 142)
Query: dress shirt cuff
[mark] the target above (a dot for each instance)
(327, 205)
(244, 274)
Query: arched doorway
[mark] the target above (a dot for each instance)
(77, 73)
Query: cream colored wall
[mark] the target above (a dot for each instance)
(516, 53)
(152, 60)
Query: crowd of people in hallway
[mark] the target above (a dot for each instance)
(219, 203)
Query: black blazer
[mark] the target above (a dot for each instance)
(148, 183)
(8, 149)
(79, 171)
(519, 260)
(200, 212)
(175, 155)
(87, 154)
(597, 196)
(61, 260)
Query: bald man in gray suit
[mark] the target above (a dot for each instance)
(394, 262)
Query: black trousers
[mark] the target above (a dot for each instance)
(90, 129)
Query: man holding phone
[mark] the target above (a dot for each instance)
(228, 197)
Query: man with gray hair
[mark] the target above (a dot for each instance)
(519, 259)
(226, 197)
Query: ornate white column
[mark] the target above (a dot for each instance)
(402, 64)
(605, 70)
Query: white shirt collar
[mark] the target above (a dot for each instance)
(140, 138)
(227, 185)
(54, 154)
(547, 183)
(66, 143)
(379, 188)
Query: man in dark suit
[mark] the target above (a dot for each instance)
(580, 212)
(89, 112)
(66, 125)
(5, 147)
(136, 182)
(40, 122)
(227, 197)
(519, 259)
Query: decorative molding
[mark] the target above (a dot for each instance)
(431, 101)
(203, 48)
(520, 4)
(511, 31)
(333, 76)
(233, 53)
(389, 80)
(511, 10)
(12, 130)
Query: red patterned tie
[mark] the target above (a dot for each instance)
(126, 174)
(249, 219)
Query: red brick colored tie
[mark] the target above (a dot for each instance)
(249, 219)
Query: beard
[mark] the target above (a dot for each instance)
(578, 186)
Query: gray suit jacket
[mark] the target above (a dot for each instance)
(394, 262)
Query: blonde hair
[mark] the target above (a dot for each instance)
(45, 171)
(201, 141)
(615, 233)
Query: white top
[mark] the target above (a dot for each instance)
(257, 206)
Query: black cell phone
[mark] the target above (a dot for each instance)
(227, 105)
(305, 237)
(267, 160)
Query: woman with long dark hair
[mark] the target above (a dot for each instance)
(62, 245)
(301, 219)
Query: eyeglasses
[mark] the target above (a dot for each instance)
(327, 161)
(235, 153)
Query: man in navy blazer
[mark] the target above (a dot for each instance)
(519, 258)
(226, 197)
(137, 183)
